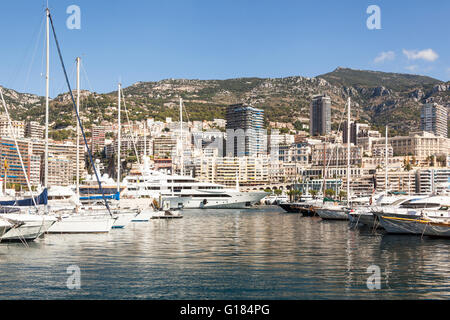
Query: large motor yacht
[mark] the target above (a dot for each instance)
(185, 191)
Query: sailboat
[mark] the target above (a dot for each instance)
(331, 210)
(124, 217)
(134, 209)
(364, 214)
(27, 224)
(77, 220)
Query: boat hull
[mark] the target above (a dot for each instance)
(75, 223)
(291, 207)
(369, 220)
(433, 229)
(4, 229)
(400, 225)
(123, 219)
(166, 215)
(29, 230)
(235, 201)
(144, 215)
(332, 214)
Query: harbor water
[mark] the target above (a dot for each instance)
(260, 253)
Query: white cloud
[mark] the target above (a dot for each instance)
(412, 68)
(382, 57)
(427, 54)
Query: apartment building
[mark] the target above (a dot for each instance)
(11, 167)
(17, 128)
(248, 171)
(34, 130)
(432, 180)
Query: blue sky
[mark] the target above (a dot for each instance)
(148, 40)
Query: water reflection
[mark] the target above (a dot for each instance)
(226, 254)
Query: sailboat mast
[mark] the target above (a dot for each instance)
(47, 72)
(181, 135)
(145, 140)
(118, 139)
(386, 162)
(78, 129)
(348, 153)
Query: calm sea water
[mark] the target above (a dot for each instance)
(228, 254)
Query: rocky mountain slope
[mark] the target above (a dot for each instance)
(379, 98)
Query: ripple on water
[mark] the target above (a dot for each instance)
(228, 254)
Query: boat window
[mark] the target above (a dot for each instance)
(397, 202)
(419, 205)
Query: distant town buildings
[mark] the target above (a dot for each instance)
(32, 153)
(237, 151)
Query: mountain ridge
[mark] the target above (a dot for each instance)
(379, 98)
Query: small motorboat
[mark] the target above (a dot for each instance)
(164, 212)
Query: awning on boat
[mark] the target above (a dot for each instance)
(115, 196)
(40, 199)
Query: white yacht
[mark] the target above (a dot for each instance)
(275, 199)
(185, 191)
(363, 214)
(82, 223)
(409, 216)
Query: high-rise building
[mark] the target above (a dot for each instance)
(433, 118)
(320, 115)
(356, 129)
(98, 138)
(252, 140)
